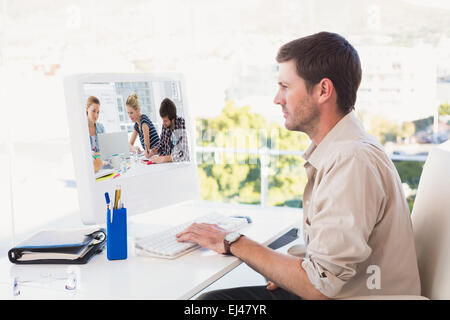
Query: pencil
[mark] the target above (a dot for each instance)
(115, 199)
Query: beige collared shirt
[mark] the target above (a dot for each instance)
(356, 222)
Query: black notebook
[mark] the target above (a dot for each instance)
(69, 246)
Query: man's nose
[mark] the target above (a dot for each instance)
(277, 99)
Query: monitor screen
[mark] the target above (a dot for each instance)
(132, 125)
(132, 130)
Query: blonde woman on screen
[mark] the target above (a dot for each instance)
(143, 126)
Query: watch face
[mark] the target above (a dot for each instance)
(232, 236)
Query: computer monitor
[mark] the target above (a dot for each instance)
(145, 186)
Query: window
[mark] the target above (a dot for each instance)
(226, 50)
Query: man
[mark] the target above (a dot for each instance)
(355, 217)
(173, 145)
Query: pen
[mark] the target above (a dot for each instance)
(108, 201)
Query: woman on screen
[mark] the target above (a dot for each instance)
(143, 126)
(173, 146)
(92, 113)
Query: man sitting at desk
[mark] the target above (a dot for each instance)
(355, 217)
(173, 145)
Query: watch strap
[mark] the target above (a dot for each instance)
(227, 245)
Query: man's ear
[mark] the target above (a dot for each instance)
(325, 90)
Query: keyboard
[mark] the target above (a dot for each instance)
(165, 245)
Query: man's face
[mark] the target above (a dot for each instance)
(299, 109)
(166, 122)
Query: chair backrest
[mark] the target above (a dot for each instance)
(431, 224)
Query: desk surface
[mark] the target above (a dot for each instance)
(145, 277)
(139, 167)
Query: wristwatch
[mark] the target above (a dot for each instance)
(229, 239)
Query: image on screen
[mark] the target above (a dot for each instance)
(135, 125)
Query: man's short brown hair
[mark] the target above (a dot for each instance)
(326, 55)
(168, 109)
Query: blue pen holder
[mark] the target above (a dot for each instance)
(116, 239)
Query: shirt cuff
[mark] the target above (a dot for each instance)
(324, 281)
(177, 156)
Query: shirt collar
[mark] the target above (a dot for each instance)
(348, 128)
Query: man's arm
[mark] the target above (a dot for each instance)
(161, 159)
(163, 141)
(286, 271)
(180, 151)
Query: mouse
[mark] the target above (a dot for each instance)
(249, 220)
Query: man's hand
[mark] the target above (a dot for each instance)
(156, 159)
(206, 235)
(161, 159)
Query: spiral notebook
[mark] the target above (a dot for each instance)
(67, 246)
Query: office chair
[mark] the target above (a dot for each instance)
(431, 225)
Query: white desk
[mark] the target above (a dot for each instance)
(144, 277)
(138, 168)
